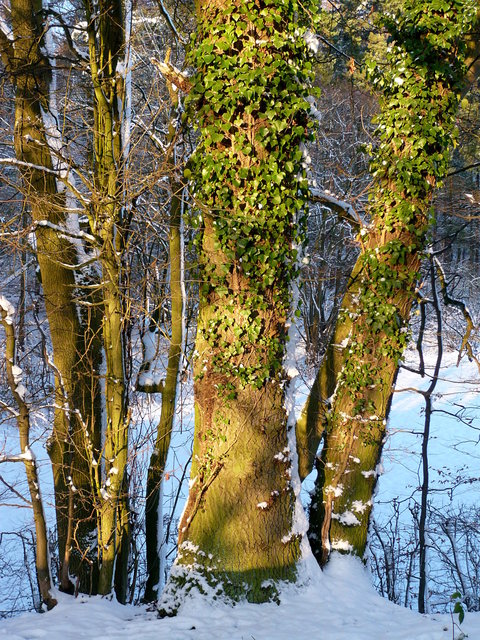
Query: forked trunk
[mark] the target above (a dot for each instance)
(108, 50)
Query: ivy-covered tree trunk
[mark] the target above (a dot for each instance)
(236, 533)
(76, 414)
(349, 403)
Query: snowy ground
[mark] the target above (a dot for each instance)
(339, 604)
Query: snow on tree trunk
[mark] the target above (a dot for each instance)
(15, 382)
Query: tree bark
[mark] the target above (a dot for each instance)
(76, 387)
(236, 533)
(427, 395)
(14, 378)
(349, 402)
(109, 221)
(158, 459)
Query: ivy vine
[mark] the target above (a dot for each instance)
(249, 100)
(419, 96)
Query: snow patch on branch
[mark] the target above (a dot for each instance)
(27, 455)
(326, 197)
(314, 112)
(5, 29)
(67, 231)
(104, 493)
(152, 370)
(8, 308)
(312, 42)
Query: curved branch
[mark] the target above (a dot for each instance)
(459, 304)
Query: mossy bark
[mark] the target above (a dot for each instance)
(352, 434)
(76, 415)
(113, 494)
(236, 534)
(236, 527)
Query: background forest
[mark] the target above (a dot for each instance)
(227, 232)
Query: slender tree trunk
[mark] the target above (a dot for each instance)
(427, 394)
(14, 378)
(159, 457)
(114, 508)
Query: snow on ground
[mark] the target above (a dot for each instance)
(339, 604)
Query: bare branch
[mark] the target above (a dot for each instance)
(344, 209)
(459, 304)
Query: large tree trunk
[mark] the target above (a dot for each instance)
(76, 415)
(236, 533)
(353, 417)
(236, 530)
(349, 402)
(238, 520)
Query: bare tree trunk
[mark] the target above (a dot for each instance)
(427, 394)
(14, 377)
(76, 391)
(106, 30)
(159, 457)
